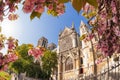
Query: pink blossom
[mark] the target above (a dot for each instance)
(5, 67)
(39, 9)
(29, 2)
(103, 14)
(1, 18)
(12, 16)
(60, 12)
(107, 28)
(50, 6)
(102, 27)
(117, 31)
(115, 19)
(28, 6)
(40, 1)
(35, 52)
(11, 8)
(113, 5)
(56, 1)
(11, 57)
(90, 36)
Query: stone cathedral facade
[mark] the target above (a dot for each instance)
(68, 54)
(75, 58)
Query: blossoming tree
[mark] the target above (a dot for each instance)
(103, 15)
(11, 55)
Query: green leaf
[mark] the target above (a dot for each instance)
(12, 1)
(63, 1)
(93, 3)
(16, 7)
(35, 14)
(78, 4)
(4, 76)
(83, 37)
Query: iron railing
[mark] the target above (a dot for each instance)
(111, 73)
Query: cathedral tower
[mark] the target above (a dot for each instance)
(68, 54)
(51, 46)
(88, 48)
(43, 42)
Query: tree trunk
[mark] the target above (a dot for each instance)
(108, 67)
(94, 64)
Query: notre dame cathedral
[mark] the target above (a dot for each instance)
(75, 57)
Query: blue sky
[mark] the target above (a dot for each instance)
(27, 31)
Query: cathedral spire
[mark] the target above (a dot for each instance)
(82, 23)
(73, 25)
(83, 28)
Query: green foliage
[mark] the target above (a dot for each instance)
(25, 63)
(35, 14)
(24, 60)
(90, 14)
(23, 51)
(52, 12)
(83, 37)
(64, 1)
(115, 58)
(18, 66)
(34, 70)
(78, 4)
(12, 1)
(49, 61)
(93, 3)
(4, 76)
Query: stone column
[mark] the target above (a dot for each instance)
(60, 68)
(74, 40)
(77, 63)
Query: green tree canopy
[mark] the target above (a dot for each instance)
(25, 63)
(23, 60)
(49, 62)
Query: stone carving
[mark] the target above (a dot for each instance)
(65, 44)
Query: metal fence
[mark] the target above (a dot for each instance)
(111, 73)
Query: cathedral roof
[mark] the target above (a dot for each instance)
(82, 23)
(51, 44)
(43, 38)
(67, 30)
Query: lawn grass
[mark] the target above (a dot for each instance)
(4, 76)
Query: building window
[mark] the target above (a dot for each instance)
(69, 64)
(44, 43)
(81, 70)
(81, 60)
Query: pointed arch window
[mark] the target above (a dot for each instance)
(81, 60)
(68, 64)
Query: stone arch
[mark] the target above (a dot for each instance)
(69, 64)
